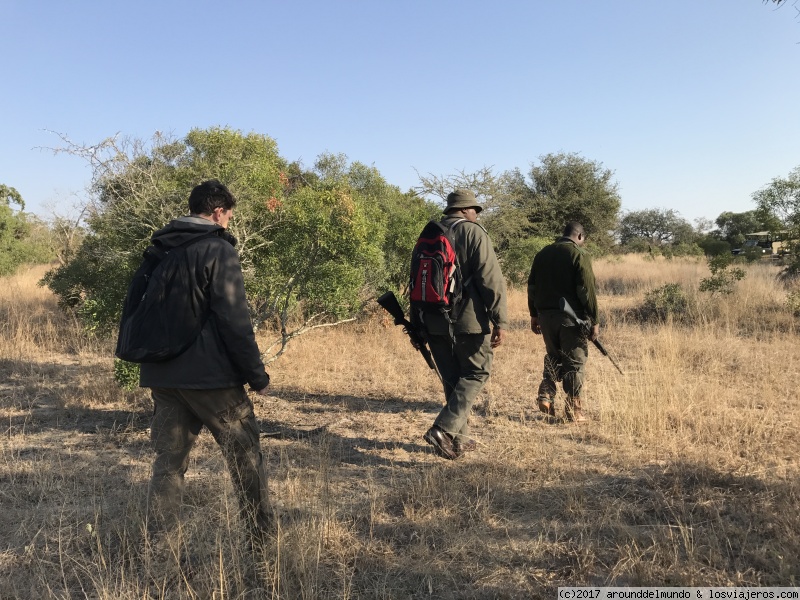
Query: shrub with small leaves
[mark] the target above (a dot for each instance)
(518, 257)
(126, 374)
(723, 275)
(793, 302)
(660, 303)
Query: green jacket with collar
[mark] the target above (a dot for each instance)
(485, 294)
(562, 269)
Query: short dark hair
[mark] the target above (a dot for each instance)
(209, 195)
(574, 228)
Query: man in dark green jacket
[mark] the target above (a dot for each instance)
(563, 270)
(204, 386)
(463, 350)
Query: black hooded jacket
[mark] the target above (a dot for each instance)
(225, 354)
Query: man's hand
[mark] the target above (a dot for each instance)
(262, 391)
(535, 327)
(594, 332)
(498, 335)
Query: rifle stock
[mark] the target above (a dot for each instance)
(586, 327)
(390, 304)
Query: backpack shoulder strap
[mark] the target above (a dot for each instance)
(473, 222)
(437, 224)
(456, 222)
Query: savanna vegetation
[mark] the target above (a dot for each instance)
(687, 475)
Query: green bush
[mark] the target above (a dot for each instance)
(23, 237)
(666, 301)
(714, 247)
(723, 275)
(684, 249)
(753, 254)
(517, 259)
(126, 374)
(793, 302)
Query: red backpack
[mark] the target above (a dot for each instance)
(436, 282)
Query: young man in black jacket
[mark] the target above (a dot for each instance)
(204, 386)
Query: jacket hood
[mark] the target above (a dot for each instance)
(181, 230)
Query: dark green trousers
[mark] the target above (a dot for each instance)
(228, 414)
(464, 367)
(567, 350)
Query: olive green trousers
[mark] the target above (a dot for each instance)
(567, 350)
(464, 367)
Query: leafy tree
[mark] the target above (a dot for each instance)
(565, 187)
(312, 242)
(520, 212)
(66, 235)
(23, 238)
(501, 214)
(9, 196)
(733, 227)
(400, 215)
(656, 226)
(518, 257)
(713, 246)
(781, 199)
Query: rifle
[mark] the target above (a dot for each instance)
(392, 306)
(586, 327)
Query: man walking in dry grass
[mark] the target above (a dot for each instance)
(563, 270)
(463, 352)
(204, 386)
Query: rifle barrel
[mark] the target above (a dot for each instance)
(587, 328)
(390, 304)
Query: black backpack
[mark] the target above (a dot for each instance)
(436, 282)
(156, 325)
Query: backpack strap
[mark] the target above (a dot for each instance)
(451, 319)
(468, 280)
(456, 222)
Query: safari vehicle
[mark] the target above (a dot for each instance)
(766, 243)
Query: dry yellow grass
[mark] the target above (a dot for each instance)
(687, 475)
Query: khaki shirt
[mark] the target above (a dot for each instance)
(485, 287)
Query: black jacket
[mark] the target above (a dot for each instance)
(225, 353)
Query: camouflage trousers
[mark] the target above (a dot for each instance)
(228, 414)
(567, 350)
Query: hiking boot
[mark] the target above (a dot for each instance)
(442, 443)
(547, 407)
(574, 411)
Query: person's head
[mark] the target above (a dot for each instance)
(575, 232)
(212, 200)
(463, 203)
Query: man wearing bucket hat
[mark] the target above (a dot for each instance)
(463, 350)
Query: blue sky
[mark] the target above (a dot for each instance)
(694, 105)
